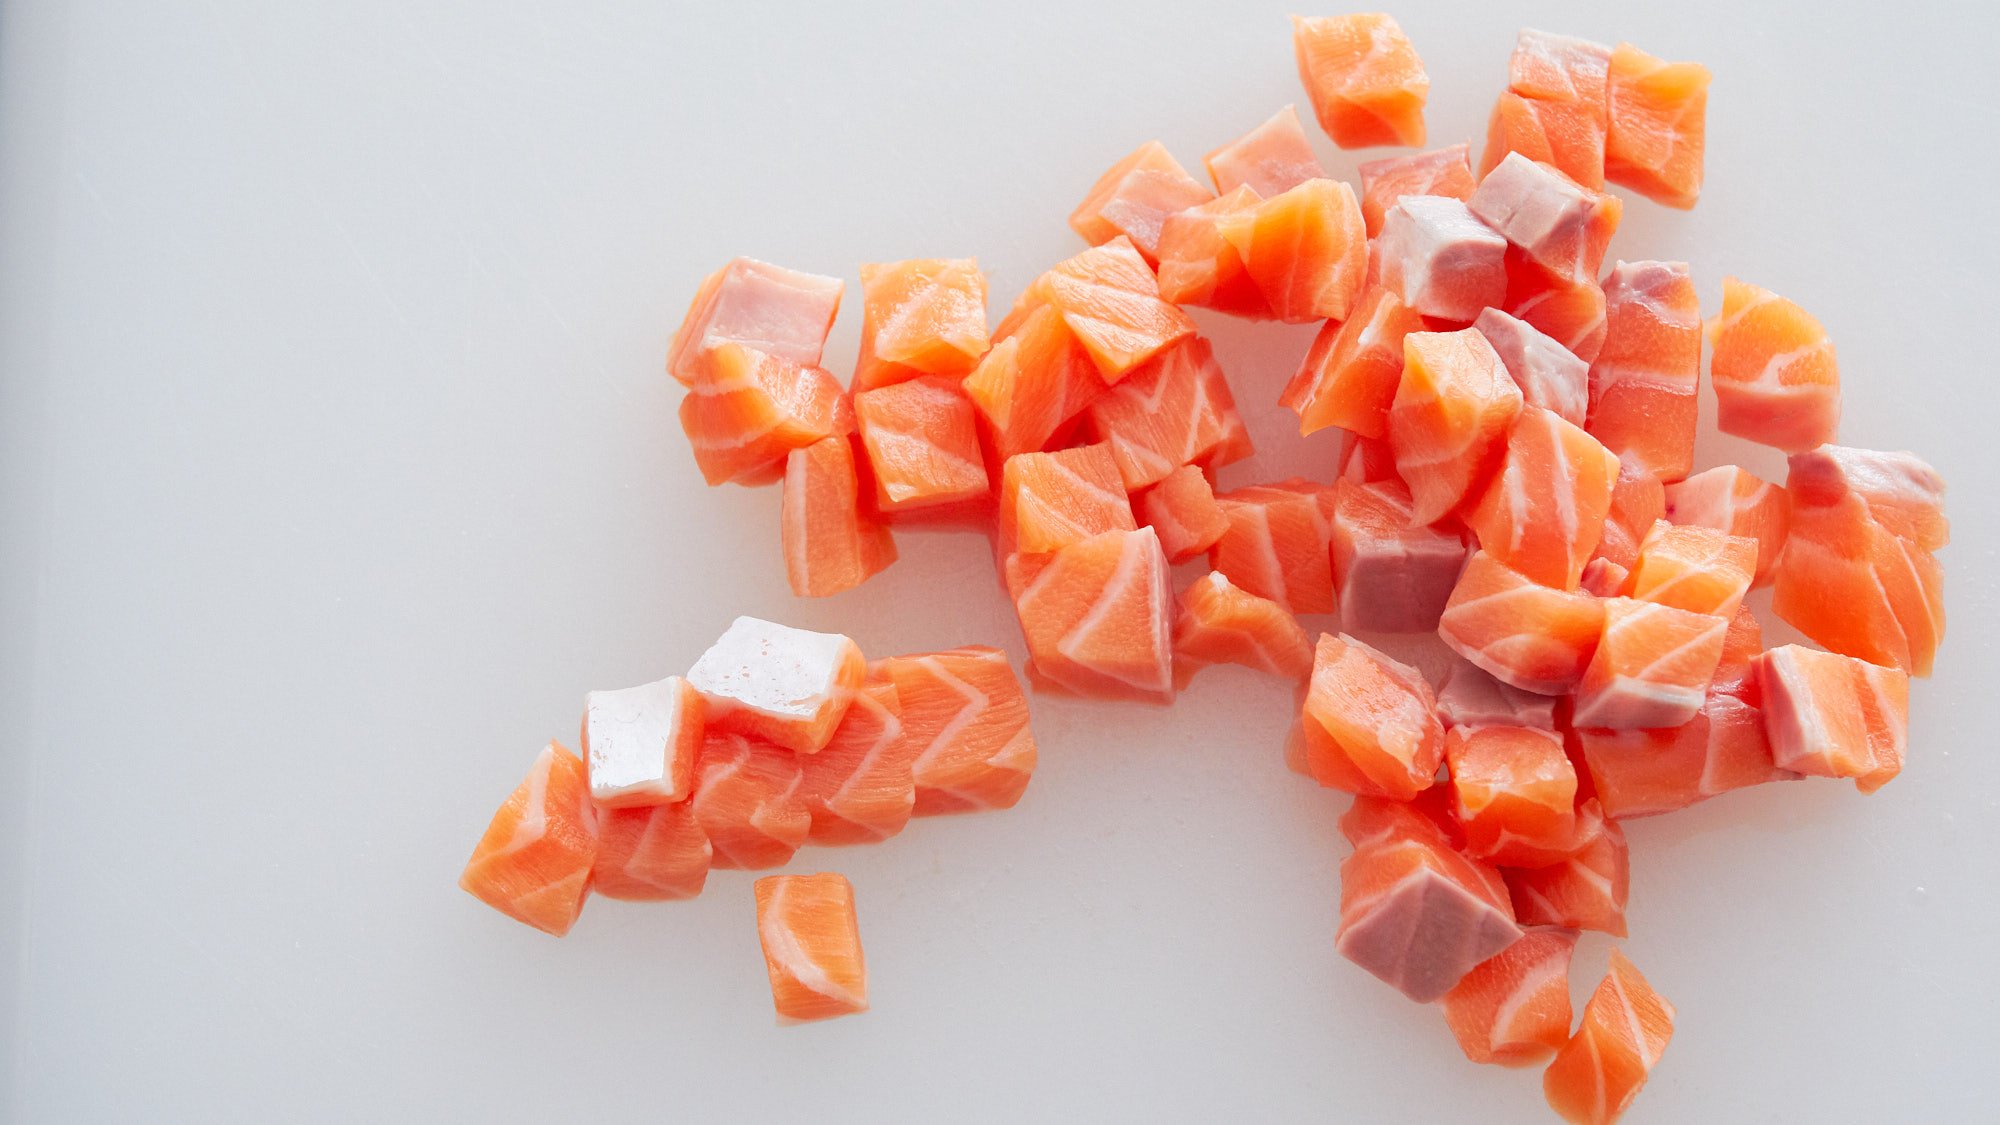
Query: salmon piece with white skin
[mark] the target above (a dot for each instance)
(763, 307)
(1096, 615)
(1513, 1008)
(1772, 366)
(788, 686)
(1391, 575)
(1271, 159)
(1441, 259)
(1829, 715)
(1731, 499)
(533, 862)
(964, 713)
(640, 743)
(860, 788)
(1444, 172)
(1652, 666)
(1558, 223)
(1469, 696)
(812, 946)
(1420, 916)
(1549, 376)
(1642, 385)
(748, 799)
(1220, 624)
(1623, 1033)
(1135, 198)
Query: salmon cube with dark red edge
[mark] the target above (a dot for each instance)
(812, 946)
(1420, 916)
(1558, 223)
(922, 445)
(1441, 259)
(748, 800)
(1513, 1008)
(1470, 696)
(832, 542)
(1449, 423)
(1110, 299)
(1585, 889)
(1370, 721)
(1220, 624)
(1135, 197)
(1390, 575)
(1624, 1031)
(966, 718)
(1446, 172)
(533, 863)
(860, 788)
(746, 410)
(1698, 569)
(639, 743)
(1533, 637)
(788, 686)
(1050, 500)
(1173, 410)
(1658, 126)
(1543, 512)
(1271, 159)
(1772, 365)
(1183, 511)
(1642, 384)
(1349, 376)
(1652, 666)
(1277, 545)
(1829, 715)
(1646, 772)
(1553, 110)
(1549, 375)
(1198, 266)
(1366, 83)
(1097, 616)
(925, 316)
(1032, 383)
(655, 853)
(763, 307)
(1731, 499)
(1306, 250)
(1511, 787)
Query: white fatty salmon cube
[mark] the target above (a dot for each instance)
(640, 743)
(787, 686)
(1440, 259)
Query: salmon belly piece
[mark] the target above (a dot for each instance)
(1306, 250)
(1829, 715)
(1643, 382)
(1444, 172)
(924, 316)
(964, 713)
(1658, 126)
(1733, 500)
(786, 686)
(764, 308)
(639, 744)
(1369, 722)
(747, 801)
(812, 946)
(1554, 109)
(1449, 422)
(1532, 637)
(1698, 569)
(831, 541)
(533, 862)
(923, 445)
(1050, 500)
(1440, 259)
(1349, 376)
(1550, 377)
(1624, 1031)
(1175, 409)
(1220, 624)
(1110, 299)
(1570, 313)
(1470, 697)
(1096, 616)
(1543, 513)
(1513, 1008)
(1277, 546)
(1363, 76)
(1645, 772)
(1513, 789)
(859, 788)
(1390, 575)
(1032, 382)
(1135, 197)
(1772, 365)
(1198, 266)
(745, 411)
(1652, 666)
(1271, 159)
(1183, 511)
(1583, 890)
(655, 853)
(1556, 222)
(1420, 916)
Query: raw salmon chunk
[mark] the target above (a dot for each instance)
(1773, 369)
(1220, 624)
(1559, 224)
(1829, 715)
(1449, 422)
(1605, 578)
(1365, 460)
(1276, 545)
(747, 801)
(1420, 916)
(859, 788)
(1032, 383)
(1271, 159)
(1638, 501)
(1643, 382)
(1173, 410)
(763, 307)
(925, 316)
(1198, 266)
(1554, 108)
(1550, 377)
(1135, 197)
(1644, 772)
(1306, 250)
(1110, 299)
(812, 946)
(1470, 697)
(1349, 376)
(1698, 569)
(1445, 172)
(533, 864)
(1898, 491)
(1733, 500)
(1543, 513)
(1182, 510)
(1511, 787)
(1441, 259)
(1532, 637)
(1658, 126)
(639, 743)
(1570, 313)
(1050, 500)
(1513, 1008)
(1373, 719)
(746, 410)
(1390, 575)
(787, 686)
(1382, 820)
(1584, 890)
(1364, 78)
(1096, 616)
(1652, 666)
(922, 444)
(1624, 1031)
(654, 854)
(964, 712)
(831, 542)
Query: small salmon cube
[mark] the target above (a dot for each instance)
(1365, 460)
(1570, 313)
(1135, 198)
(1698, 569)
(1583, 890)
(1306, 250)
(1898, 491)
(1471, 697)
(640, 743)
(1532, 637)
(765, 308)
(1553, 110)
(1376, 720)
(789, 686)
(1382, 820)
(1829, 715)
(1510, 784)
(1277, 546)
(1513, 1008)
(1624, 1031)
(860, 788)
(1032, 383)
(923, 445)
(1050, 500)
(1420, 916)
(652, 853)
(925, 316)
(1441, 259)
(1271, 159)
(1450, 419)
(1198, 266)
(1652, 666)
(1110, 299)
(831, 541)
(1390, 575)
(1776, 381)
(964, 713)
(1550, 377)
(1658, 126)
(1349, 376)
(1559, 224)
(1220, 624)
(1605, 578)
(1445, 172)
(1733, 500)
(1638, 501)
(533, 863)
(1646, 772)
(1097, 616)
(812, 946)
(1543, 512)
(748, 801)
(1643, 382)
(1173, 410)
(1183, 511)
(1364, 78)
(745, 411)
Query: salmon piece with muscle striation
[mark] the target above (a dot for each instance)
(1220, 624)
(1198, 266)
(859, 788)
(1470, 697)
(1182, 510)
(764, 308)
(1554, 108)
(1643, 382)
(1605, 578)
(1513, 788)
(1173, 410)
(784, 685)
(639, 744)
(1096, 616)
(1032, 383)
(1369, 721)
(1306, 250)
(1050, 500)
(650, 854)
(1381, 820)
(1543, 512)
(924, 316)
(1646, 772)
(923, 445)
(1652, 666)
(1585, 889)
(1365, 81)
(812, 946)
(831, 542)
(1365, 460)
(1440, 259)
(1638, 501)
(1135, 197)
(1110, 299)
(1420, 916)
(747, 800)
(745, 411)
(1513, 1008)
(1570, 313)
(1557, 223)
(1277, 544)
(1829, 715)
(964, 712)
(1271, 159)
(1549, 375)
(1624, 1031)
(1897, 491)
(1698, 569)
(1532, 637)
(1733, 500)
(1448, 424)
(1658, 126)
(1349, 376)
(1390, 575)
(1445, 172)
(533, 862)
(1776, 381)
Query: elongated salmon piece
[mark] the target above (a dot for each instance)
(1420, 916)
(1510, 786)
(1390, 575)
(812, 946)
(748, 801)
(924, 316)
(787, 686)
(1198, 266)
(1364, 78)
(1570, 313)
(1183, 511)
(1374, 717)
(1445, 171)
(1050, 500)
(1698, 569)
(831, 542)
(1733, 500)
(1559, 224)
(1528, 636)
(1135, 197)
(1110, 299)
(859, 788)
(1220, 624)
(1605, 578)
(639, 743)
(1271, 159)
(1550, 377)
(1646, 772)
(1625, 1029)
(533, 862)
(1658, 126)
(1643, 382)
(652, 854)
(1469, 696)
(1441, 259)
(764, 308)
(1898, 491)
(1772, 365)
(1652, 666)
(1173, 410)
(746, 410)
(1097, 618)
(1305, 249)
(1829, 715)
(1033, 382)
(1585, 890)
(1349, 376)
(1543, 512)
(1277, 546)
(1512, 1009)
(1449, 422)
(964, 711)
(1554, 109)
(922, 444)
(1638, 501)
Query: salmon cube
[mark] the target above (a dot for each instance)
(1449, 422)
(1559, 224)
(788, 686)
(1365, 460)
(1543, 512)
(1441, 259)
(1173, 410)
(1183, 511)
(965, 715)
(1570, 313)
(1897, 491)
(1509, 784)
(1658, 126)
(1513, 1009)
(1110, 299)
(765, 308)
(1469, 696)
(1730, 499)
(1031, 384)
(533, 863)
(1364, 78)
(925, 316)
(1736, 672)
(1349, 376)
(1605, 579)
(1698, 569)
(1532, 637)
(747, 410)
(1271, 159)
(922, 444)
(1553, 110)
(1645, 772)
(1829, 715)
(1550, 377)
(1623, 1033)
(1583, 890)
(1306, 250)
(640, 743)
(1420, 916)
(1638, 501)
(1652, 666)
(1642, 384)
(1198, 266)
(1135, 197)
(831, 541)
(1277, 546)
(650, 853)
(1220, 624)
(748, 801)
(1050, 500)
(1374, 717)
(812, 946)
(1096, 616)
(1382, 820)
(1776, 381)
(860, 788)
(1390, 575)
(1444, 172)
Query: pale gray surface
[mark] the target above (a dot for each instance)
(338, 464)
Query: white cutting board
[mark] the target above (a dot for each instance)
(339, 463)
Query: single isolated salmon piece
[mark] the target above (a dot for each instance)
(1559, 224)
(784, 685)
(651, 854)
(1543, 512)
(533, 863)
(1510, 786)
(1220, 624)
(1271, 159)
(1554, 109)
(1585, 890)
(765, 308)
(1698, 569)
(1658, 126)
(831, 541)
(924, 316)
(1306, 250)
(1829, 715)
(1365, 81)
(1369, 722)
(812, 946)
(1050, 500)
(1096, 616)
(1638, 501)
(1733, 500)
(1175, 409)
(745, 411)
(1513, 1009)
(1441, 259)
(1277, 544)
(1444, 172)
(1449, 422)
(1772, 365)
(1349, 376)
(1652, 666)
(1533, 637)
(1135, 197)
(1550, 377)
(1625, 1029)
(922, 444)
(1645, 772)
(1183, 511)
(1110, 299)
(1469, 696)
(1198, 266)
(639, 743)
(1390, 575)
(1570, 313)
(1033, 382)
(859, 788)
(964, 711)
(1420, 916)
(1643, 382)
(747, 800)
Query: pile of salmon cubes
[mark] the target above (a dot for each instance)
(1515, 477)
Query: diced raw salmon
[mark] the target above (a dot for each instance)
(746, 410)
(922, 444)
(1440, 259)
(1050, 500)
(1554, 107)
(1643, 382)
(1220, 624)
(1625, 1029)
(1097, 618)
(1510, 785)
(924, 316)
(1370, 721)
(1829, 715)
(812, 946)
(1585, 891)
(1559, 224)
(1605, 578)
(831, 542)
(1772, 366)
(1420, 916)
(654, 854)
(1306, 250)
(1728, 498)
(763, 307)
(1698, 569)
(1198, 266)
(784, 685)
(1898, 491)
(1658, 126)
(1390, 575)
(1110, 299)
(1173, 410)
(639, 744)
(1652, 666)
(1513, 1009)
(1183, 511)
(1645, 772)
(1549, 376)
(1365, 460)
(1471, 697)
(1742, 644)
(859, 788)
(1543, 512)
(1135, 197)
(1638, 501)
(1349, 376)
(1364, 78)
(1449, 422)
(1570, 313)
(1532, 637)
(1445, 172)
(747, 800)
(1271, 159)
(964, 711)
(1277, 546)
(533, 863)
(1032, 383)
(1379, 820)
